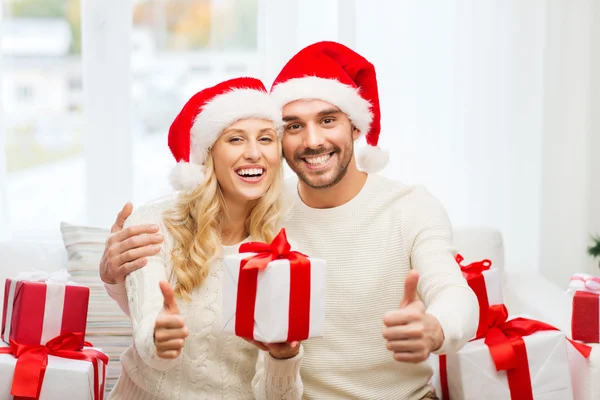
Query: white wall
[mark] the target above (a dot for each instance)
(571, 165)
(3, 210)
(461, 92)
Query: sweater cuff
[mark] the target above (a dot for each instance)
(275, 367)
(458, 329)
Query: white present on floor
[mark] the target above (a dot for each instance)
(64, 378)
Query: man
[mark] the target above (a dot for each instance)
(394, 292)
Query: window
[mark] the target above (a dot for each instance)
(42, 119)
(180, 47)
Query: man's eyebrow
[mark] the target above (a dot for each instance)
(323, 113)
(329, 112)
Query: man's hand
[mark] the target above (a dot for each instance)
(169, 330)
(126, 249)
(411, 333)
(278, 350)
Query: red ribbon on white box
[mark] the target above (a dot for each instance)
(54, 305)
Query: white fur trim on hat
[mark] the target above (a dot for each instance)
(186, 176)
(226, 109)
(372, 159)
(345, 97)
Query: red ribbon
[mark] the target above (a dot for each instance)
(473, 273)
(33, 360)
(299, 309)
(507, 348)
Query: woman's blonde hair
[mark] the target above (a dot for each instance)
(195, 222)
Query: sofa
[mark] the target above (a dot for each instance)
(81, 248)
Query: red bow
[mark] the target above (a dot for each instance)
(299, 309)
(33, 360)
(473, 269)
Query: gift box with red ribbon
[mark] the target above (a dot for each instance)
(38, 306)
(486, 283)
(58, 370)
(519, 359)
(585, 317)
(273, 294)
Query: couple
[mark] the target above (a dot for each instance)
(394, 291)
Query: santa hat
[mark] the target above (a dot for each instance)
(334, 73)
(204, 117)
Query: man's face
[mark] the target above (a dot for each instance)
(318, 142)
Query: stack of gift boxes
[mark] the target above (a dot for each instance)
(43, 353)
(518, 358)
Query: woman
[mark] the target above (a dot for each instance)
(229, 174)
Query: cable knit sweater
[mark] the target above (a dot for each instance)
(212, 365)
(370, 243)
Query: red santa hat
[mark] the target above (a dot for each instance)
(204, 117)
(334, 73)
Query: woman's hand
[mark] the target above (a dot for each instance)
(279, 350)
(169, 331)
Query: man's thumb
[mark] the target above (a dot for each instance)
(410, 288)
(170, 304)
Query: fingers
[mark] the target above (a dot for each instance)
(412, 313)
(169, 335)
(411, 357)
(169, 303)
(139, 253)
(162, 335)
(406, 346)
(123, 215)
(136, 236)
(129, 267)
(410, 288)
(260, 345)
(405, 332)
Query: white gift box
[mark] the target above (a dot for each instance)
(272, 305)
(64, 378)
(585, 373)
(472, 373)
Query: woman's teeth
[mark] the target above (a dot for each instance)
(250, 172)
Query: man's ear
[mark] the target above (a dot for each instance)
(355, 133)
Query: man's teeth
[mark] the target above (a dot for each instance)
(250, 171)
(318, 160)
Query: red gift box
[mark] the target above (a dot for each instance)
(39, 306)
(585, 320)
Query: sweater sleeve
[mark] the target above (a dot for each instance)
(118, 293)
(278, 379)
(144, 295)
(442, 287)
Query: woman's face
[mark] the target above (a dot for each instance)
(246, 158)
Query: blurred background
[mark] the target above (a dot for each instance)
(492, 104)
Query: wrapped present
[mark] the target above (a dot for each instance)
(38, 306)
(486, 283)
(585, 317)
(58, 370)
(519, 359)
(273, 294)
(585, 373)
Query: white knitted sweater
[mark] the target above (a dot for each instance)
(370, 243)
(212, 365)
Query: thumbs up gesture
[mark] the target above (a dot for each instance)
(410, 333)
(169, 330)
